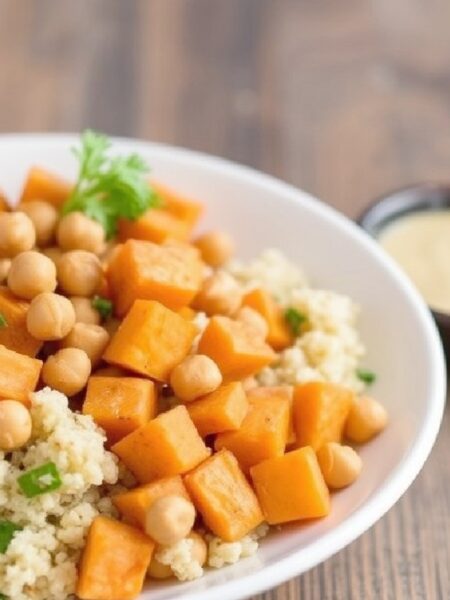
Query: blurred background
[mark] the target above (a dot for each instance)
(345, 98)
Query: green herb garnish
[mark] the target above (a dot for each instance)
(41, 480)
(3, 597)
(103, 306)
(109, 188)
(7, 531)
(3, 321)
(368, 377)
(294, 318)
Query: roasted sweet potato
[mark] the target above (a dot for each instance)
(234, 348)
(319, 411)
(19, 375)
(223, 496)
(279, 336)
(119, 405)
(151, 340)
(114, 561)
(14, 334)
(43, 185)
(291, 487)
(167, 445)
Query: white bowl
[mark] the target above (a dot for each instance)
(403, 345)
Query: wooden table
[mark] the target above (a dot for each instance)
(345, 98)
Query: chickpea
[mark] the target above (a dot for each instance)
(340, 465)
(44, 217)
(216, 247)
(84, 311)
(67, 371)
(50, 317)
(159, 571)
(254, 319)
(93, 339)
(169, 519)
(53, 253)
(79, 273)
(199, 549)
(220, 294)
(5, 265)
(15, 425)
(31, 273)
(17, 234)
(366, 419)
(76, 231)
(195, 376)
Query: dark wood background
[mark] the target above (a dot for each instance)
(345, 98)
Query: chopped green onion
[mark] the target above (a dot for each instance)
(294, 318)
(7, 531)
(3, 321)
(368, 377)
(103, 306)
(41, 480)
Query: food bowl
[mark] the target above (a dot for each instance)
(404, 201)
(402, 341)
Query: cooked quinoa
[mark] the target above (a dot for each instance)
(40, 562)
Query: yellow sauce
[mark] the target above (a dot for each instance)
(420, 243)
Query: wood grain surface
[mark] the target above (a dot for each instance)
(345, 98)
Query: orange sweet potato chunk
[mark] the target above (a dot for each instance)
(15, 334)
(279, 336)
(167, 445)
(291, 487)
(171, 274)
(19, 375)
(43, 185)
(319, 413)
(222, 410)
(262, 434)
(156, 225)
(133, 505)
(285, 392)
(119, 405)
(235, 348)
(151, 340)
(223, 496)
(114, 561)
(185, 209)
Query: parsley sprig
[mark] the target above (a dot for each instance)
(103, 306)
(366, 376)
(295, 319)
(109, 187)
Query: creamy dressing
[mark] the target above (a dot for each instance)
(420, 243)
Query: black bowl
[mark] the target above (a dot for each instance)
(399, 203)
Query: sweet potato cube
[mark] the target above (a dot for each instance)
(167, 445)
(151, 340)
(119, 405)
(279, 336)
(235, 348)
(14, 335)
(171, 274)
(43, 185)
(223, 496)
(19, 375)
(114, 561)
(156, 225)
(291, 487)
(262, 434)
(186, 209)
(285, 392)
(222, 410)
(133, 505)
(319, 413)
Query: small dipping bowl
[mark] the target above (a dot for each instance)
(401, 203)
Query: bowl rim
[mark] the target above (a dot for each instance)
(406, 471)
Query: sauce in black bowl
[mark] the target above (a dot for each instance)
(395, 218)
